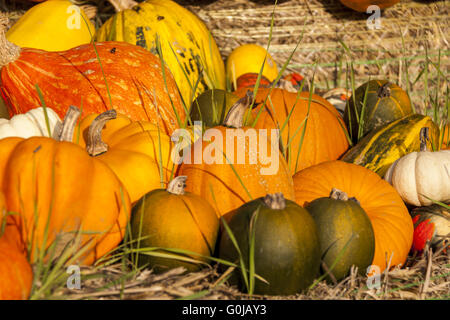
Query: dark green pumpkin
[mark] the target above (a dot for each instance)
(345, 234)
(286, 251)
(385, 102)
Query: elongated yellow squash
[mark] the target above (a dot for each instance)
(53, 25)
(382, 147)
(187, 46)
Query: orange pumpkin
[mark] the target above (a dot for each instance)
(129, 75)
(391, 222)
(134, 150)
(16, 275)
(228, 186)
(57, 184)
(325, 134)
(362, 5)
(445, 138)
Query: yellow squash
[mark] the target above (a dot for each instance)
(53, 25)
(187, 46)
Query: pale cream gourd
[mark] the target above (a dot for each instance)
(30, 124)
(421, 176)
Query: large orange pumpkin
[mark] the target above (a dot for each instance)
(16, 275)
(324, 129)
(56, 185)
(391, 222)
(129, 75)
(228, 186)
(362, 5)
(138, 152)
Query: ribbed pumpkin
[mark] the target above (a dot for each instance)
(345, 234)
(391, 222)
(57, 184)
(422, 177)
(249, 59)
(384, 102)
(173, 218)
(137, 152)
(30, 124)
(54, 25)
(286, 245)
(445, 138)
(324, 130)
(132, 76)
(431, 226)
(381, 148)
(230, 176)
(187, 46)
(362, 5)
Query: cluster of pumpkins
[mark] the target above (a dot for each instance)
(89, 149)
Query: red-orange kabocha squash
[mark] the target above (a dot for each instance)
(16, 275)
(60, 193)
(109, 75)
(324, 129)
(230, 175)
(362, 5)
(391, 222)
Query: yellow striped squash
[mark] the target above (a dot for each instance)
(382, 147)
(187, 46)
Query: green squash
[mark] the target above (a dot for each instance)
(382, 147)
(286, 245)
(385, 102)
(345, 233)
(212, 106)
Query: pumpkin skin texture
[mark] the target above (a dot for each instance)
(97, 203)
(132, 150)
(431, 226)
(217, 181)
(287, 252)
(57, 19)
(325, 136)
(445, 138)
(75, 76)
(249, 58)
(385, 102)
(174, 218)
(381, 148)
(186, 43)
(362, 5)
(343, 228)
(391, 222)
(16, 275)
(29, 124)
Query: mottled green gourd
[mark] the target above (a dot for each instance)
(345, 234)
(286, 245)
(385, 102)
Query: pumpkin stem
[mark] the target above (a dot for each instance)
(95, 144)
(120, 5)
(384, 91)
(65, 131)
(177, 185)
(9, 52)
(424, 137)
(275, 201)
(235, 116)
(337, 194)
(89, 10)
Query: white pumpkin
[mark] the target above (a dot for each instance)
(421, 176)
(29, 124)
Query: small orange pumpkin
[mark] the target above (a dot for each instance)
(391, 222)
(57, 185)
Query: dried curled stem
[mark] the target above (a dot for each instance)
(177, 185)
(9, 52)
(235, 116)
(120, 5)
(275, 201)
(95, 144)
